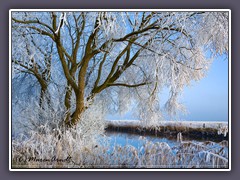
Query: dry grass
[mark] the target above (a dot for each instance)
(72, 152)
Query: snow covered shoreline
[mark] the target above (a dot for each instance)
(191, 129)
(193, 124)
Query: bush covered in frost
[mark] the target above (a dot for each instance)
(77, 153)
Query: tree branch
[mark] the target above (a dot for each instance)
(100, 70)
(33, 22)
(129, 85)
(77, 43)
(61, 53)
(152, 26)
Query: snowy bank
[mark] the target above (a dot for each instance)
(190, 129)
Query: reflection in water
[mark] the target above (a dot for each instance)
(122, 139)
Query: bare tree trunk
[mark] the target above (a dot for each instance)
(68, 94)
(76, 116)
(80, 107)
(68, 103)
(79, 92)
(43, 94)
(41, 99)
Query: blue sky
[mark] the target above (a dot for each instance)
(205, 100)
(208, 99)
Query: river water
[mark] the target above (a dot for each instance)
(122, 139)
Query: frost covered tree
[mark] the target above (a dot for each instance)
(117, 58)
(32, 57)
